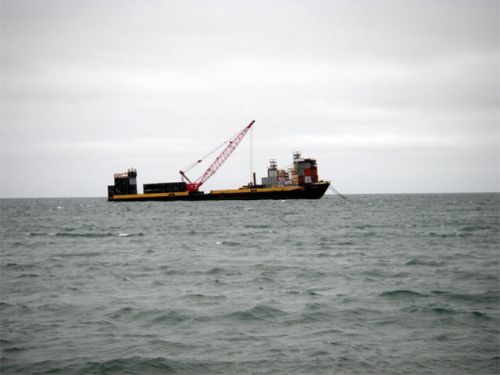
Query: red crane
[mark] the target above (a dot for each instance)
(217, 163)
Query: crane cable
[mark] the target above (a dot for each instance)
(337, 192)
(191, 166)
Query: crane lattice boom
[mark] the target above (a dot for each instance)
(217, 163)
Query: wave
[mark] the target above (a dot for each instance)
(444, 235)
(418, 262)
(85, 255)
(204, 297)
(132, 365)
(344, 243)
(228, 243)
(154, 365)
(140, 234)
(364, 226)
(70, 233)
(464, 231)
(20, 267)
(439, 292)
(401, 293)
(121, 312)
(443, 311)
(259, 312)
(85, 235)
(474, 228)
(476, 275)
(480, 315)
(169, 317)
(447, 311)
(374, 273)
(4, 305)
(216, 271)
(486, 297)
(18, 307)
(256, 226)
(311, 316)
(27, 275)
(150, 317)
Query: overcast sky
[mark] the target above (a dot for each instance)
(389, 96)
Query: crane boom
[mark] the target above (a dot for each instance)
(217, 163)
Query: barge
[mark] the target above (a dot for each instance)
(300, 181)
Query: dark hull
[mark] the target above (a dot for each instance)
(311, 191)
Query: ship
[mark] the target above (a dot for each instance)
(299, 181)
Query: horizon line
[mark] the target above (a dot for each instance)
(326, 194)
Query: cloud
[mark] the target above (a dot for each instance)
(167, 81)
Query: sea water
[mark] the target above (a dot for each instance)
(376, 284)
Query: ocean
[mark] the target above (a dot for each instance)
(376, 284)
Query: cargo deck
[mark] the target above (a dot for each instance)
(313, 191)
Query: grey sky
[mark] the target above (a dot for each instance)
(390, 97)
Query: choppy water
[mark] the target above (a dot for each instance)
(392, 284)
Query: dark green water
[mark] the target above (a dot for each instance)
(395, 284)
